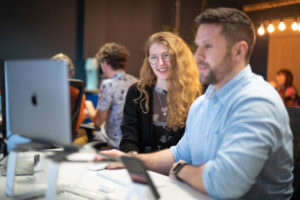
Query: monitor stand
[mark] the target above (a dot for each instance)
(11, 172)
(12, 164)
(55, 160)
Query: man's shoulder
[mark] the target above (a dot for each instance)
(106, 83)
(130, 77)
(197, 102)
(257, 87)
(258, 95)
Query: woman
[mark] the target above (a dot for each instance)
(284, 85)
(156, 107)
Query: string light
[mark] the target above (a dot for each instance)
(281, 26)
(261, 30)
(294, 26)
(271, 28)
(286, 24)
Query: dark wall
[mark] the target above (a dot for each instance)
(42, 28)
(259, 58)
(128, 22)
(37, 29)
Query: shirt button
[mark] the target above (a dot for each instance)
(215, 105)
(206, 132)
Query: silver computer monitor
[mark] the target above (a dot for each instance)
(39, 103)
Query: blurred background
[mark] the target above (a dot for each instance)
(41, 28)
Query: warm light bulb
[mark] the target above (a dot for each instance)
(299, 27)
(281, 26)
(271, 28)
(261, 30)
(294, 26)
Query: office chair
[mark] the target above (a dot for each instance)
(76, 93)
(77, 119)
(294, 114)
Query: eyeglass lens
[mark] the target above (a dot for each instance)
(154, 58)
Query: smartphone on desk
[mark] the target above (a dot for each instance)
(138, 173)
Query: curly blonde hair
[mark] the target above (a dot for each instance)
(183, 79)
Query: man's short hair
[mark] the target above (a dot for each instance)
(114, 54)
(236, 25)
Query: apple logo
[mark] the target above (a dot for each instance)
(34, 100)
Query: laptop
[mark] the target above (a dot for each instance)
(39, 103)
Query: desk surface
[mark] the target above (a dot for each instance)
(104, 184)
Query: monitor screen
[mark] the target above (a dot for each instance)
(37, 92)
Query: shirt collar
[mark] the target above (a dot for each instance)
(119, 74)
(228, 88)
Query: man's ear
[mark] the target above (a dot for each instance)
(240, 50)
(104, 65)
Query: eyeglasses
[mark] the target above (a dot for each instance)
(154, 59)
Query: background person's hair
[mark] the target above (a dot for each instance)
(114, 54)
(62, 56)
(236, 26)
(183, 78)
(289, 78)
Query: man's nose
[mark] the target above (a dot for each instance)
(199, 54)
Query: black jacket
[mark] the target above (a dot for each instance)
(137, 128)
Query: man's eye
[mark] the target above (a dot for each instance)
(207, 46)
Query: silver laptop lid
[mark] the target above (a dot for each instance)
(39, 102)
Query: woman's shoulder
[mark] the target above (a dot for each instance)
(133, 89)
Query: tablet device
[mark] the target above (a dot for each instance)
(138, 173)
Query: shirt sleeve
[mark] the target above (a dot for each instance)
(248, 142)
(182, 150)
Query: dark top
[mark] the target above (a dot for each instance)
(139, 133)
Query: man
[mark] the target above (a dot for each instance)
(112, 58)
(237, 143)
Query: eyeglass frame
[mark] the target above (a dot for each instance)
(164, 56)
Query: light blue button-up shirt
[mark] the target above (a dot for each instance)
(242, 134)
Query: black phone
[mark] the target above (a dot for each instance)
(138, 173)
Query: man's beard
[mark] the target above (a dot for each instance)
(217, 74)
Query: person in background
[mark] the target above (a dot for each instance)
(81, 137)
(112, 58)
(156, 107)
(237, 142)
(284, 85)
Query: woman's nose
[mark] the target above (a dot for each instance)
(160, 60)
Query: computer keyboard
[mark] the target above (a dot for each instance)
(73, 192)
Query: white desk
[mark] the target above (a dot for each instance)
(115, 182)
